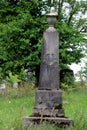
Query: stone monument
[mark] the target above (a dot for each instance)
(48, 98)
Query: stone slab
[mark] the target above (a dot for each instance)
(60, 122)
(48, 102)
(49, 112)
(48, 98)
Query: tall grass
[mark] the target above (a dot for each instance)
(77, 107)
(15, 104)
(18, 103)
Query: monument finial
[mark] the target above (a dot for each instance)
(52, 17)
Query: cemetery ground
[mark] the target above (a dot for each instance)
(17, 103)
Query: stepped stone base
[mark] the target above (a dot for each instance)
(48, 103)
(59, 121)
(48, 108)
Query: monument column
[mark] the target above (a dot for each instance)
(49, 70)
(48, 98)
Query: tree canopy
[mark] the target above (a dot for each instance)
(22, 23)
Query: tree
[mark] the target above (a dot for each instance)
(84, 69)
(70, 25)
(22, 24)
(20, 36)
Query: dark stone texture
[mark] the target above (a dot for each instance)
(60, 122)
(49, 71)
(48, 102)
(51, 98)
(48, 112)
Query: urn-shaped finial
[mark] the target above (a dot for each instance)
(52, 17)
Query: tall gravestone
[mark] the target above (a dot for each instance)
(48, 98)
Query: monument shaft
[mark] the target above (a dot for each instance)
(48, 98)
(49, 71)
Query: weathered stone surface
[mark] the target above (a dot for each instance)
(60, 122)
(48, 112)
(48, 98)
(48, 103)
(49, 71)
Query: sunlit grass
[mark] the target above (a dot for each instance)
(13, 106)
(77, 107)
(16, 104)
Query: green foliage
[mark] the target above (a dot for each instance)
(12, 78)
(22, 74)
(20, 36)
(16, 78)
(71, 49)
(83, 72)
(1, 74)
(22, 24)
(65, 86)
(68, 79)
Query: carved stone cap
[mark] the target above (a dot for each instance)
(52, 17)
(52, 12)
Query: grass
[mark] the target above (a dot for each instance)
(16, 104)
(77, 107)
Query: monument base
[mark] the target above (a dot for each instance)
(48, 108)
(58, 121)
(48, 103)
